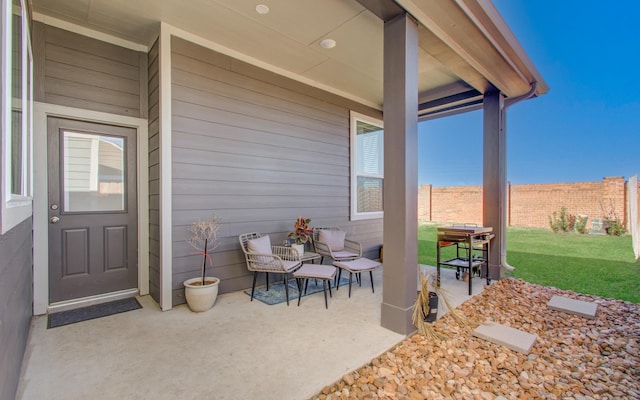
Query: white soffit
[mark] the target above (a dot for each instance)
(347, 79)
(286, 38)
(307, 21)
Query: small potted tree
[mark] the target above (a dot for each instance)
(301, 234)
(201, 292)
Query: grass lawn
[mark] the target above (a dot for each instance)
(598, 265)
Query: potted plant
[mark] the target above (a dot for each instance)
(301, 234)
(201, 292)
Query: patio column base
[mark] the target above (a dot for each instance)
(397, 319)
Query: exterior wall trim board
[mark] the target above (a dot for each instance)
(81, 30)
(165, 124)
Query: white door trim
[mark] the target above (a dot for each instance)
(40, 198)
(166, 191)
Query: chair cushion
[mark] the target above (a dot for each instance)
(344, 255)
(260, 245)
(290, 265)
(359, 265)
(317, 271)
(332, 238)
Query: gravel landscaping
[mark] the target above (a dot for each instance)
(573, 357)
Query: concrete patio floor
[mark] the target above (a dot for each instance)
(237, 350)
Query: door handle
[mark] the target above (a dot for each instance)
(54, 220)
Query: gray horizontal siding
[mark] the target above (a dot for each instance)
(194, 153)
(271, 86)
(226, 122)
(256, 141)
(15, 304)
(82, 72)
(258, 150)
(154, 174)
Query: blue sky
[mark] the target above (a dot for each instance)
(585, 128)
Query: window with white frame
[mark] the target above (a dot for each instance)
(367, 167)
(17, 109)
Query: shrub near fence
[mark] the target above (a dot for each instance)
(529, 205)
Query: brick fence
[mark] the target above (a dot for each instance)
(529, 205)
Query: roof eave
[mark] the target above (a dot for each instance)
(506, 40)
(493, 51)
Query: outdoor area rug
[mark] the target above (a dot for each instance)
(276, 293)
(94, 311)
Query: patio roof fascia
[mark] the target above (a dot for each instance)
(496, 54)
(504, 39)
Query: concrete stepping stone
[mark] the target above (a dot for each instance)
(571, 306)
(506, 336)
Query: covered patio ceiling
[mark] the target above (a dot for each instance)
(465, 48)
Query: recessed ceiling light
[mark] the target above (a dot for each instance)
(328, 43)
(262, 9)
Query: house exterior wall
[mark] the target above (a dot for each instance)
(154, 174)
(259, 150)
(15, 304)
(77, 71)
(529, 205)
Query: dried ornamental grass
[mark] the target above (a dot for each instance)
(428, 284)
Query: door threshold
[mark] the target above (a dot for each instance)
(67, 305)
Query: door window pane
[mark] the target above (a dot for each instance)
(93, 172)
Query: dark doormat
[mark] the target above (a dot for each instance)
(91, 312)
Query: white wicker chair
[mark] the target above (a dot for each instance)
(281, 260)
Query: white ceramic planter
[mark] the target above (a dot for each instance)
(299, 248)
(201, 298)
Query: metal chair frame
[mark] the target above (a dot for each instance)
(283, 260)
(325, 251)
